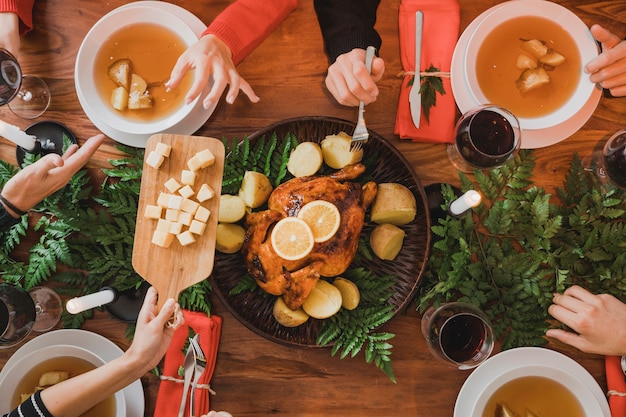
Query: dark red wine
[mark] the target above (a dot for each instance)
(4, 317)
(615, 160)
(10, 76)
(486, 139)
(462, 337)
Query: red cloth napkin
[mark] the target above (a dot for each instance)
(616, 383)
(171, 392)
(439, 36)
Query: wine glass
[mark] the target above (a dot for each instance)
(22, 311)
(458, 334)
(27, 96)
(609, 165)
(486, 137)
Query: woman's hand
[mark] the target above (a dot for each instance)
(210, 57)
(609, 68)
(598, 321)
(10, 32)
(349, 81)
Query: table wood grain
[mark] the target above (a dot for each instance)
(256, 377)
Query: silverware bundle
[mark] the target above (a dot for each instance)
(194, 366)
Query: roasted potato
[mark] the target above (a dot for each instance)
(229, 237)
(286, 316)
(306, 159)
(394, 204)
(323, 301)
(336, 151)
(255, 189)
(119, 72)
(232, 208)
(350, 294)
(386, 241)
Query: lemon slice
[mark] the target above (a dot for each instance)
(322, 217)
(292, 238)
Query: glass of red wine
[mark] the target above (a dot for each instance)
(486, 137)
(459, 334)
(22, 312)
(27, 96)
(610, 164)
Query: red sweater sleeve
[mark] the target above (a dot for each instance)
(23, 9)
(244, 24)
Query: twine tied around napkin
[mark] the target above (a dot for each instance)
(171, 386)
(616, 386)
(439, 37)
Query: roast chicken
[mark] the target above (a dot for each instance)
(295, 279)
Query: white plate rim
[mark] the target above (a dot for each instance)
(198, 116)
(531, 139)
(99, 345)
(520, 357)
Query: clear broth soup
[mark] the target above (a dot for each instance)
(75, 366)
(496, 71)
(539, 395)
(153, 51)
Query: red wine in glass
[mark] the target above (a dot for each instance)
(17, 315)
(614, 159)
(462, 337)
(27, 96)
(10, 77)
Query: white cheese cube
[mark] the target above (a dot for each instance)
(206, 158)
(163, 226)
(174, 202)
(163, 200)
(176, 228)
(194, 163)
(154, 159)
(163, 148)
(172, 185)
(186, 238)
(162, 239)
(186, 191)
(202, 214)
(187, 177)
(205, 193)
(185, 218)
(197, 227)
(189, 206)
(152, 212)
(172, 215)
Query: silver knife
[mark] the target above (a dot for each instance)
(415, 98)
(188, 366)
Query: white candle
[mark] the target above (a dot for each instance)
(86, 302)
(465, 202)
(15, 135)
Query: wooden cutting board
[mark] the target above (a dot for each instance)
(171, 270)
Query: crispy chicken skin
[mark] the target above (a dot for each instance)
(295, 279)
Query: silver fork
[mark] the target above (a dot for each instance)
(361, 135)
(200, 366)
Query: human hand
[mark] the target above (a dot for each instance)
(349, 81)
(9, 32)
(218, 414)
(597, 320)
(49, 174)
(609, 68)
(152, 336)
(210, 56)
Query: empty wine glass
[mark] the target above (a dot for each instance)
(21, 312)
(27, 96)
(609, 165)
(486, 137)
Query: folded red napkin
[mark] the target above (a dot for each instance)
(439, 36)
(616, 385)
(171, 386)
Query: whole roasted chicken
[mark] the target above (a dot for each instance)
(295, 279)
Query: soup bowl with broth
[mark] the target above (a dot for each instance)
(24, 376)
(148, 41)
(498, 54)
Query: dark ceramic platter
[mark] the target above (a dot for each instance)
(254, 310)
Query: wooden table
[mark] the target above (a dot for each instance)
(256, 377)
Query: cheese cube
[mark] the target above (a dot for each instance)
(174, 202)
(184, 218)
(186, 191)
(163, 226)
(189, 206)
(206, 158)
(194, 163)
(163, 148)
(162, 239)
(187, 177)
(186, 238)
(163, 200)
(152, 212)
(205, 193)
(197, 227)
(154, 159)
(176, 228)
(202, 214)
(172, 185)
(172, 215)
